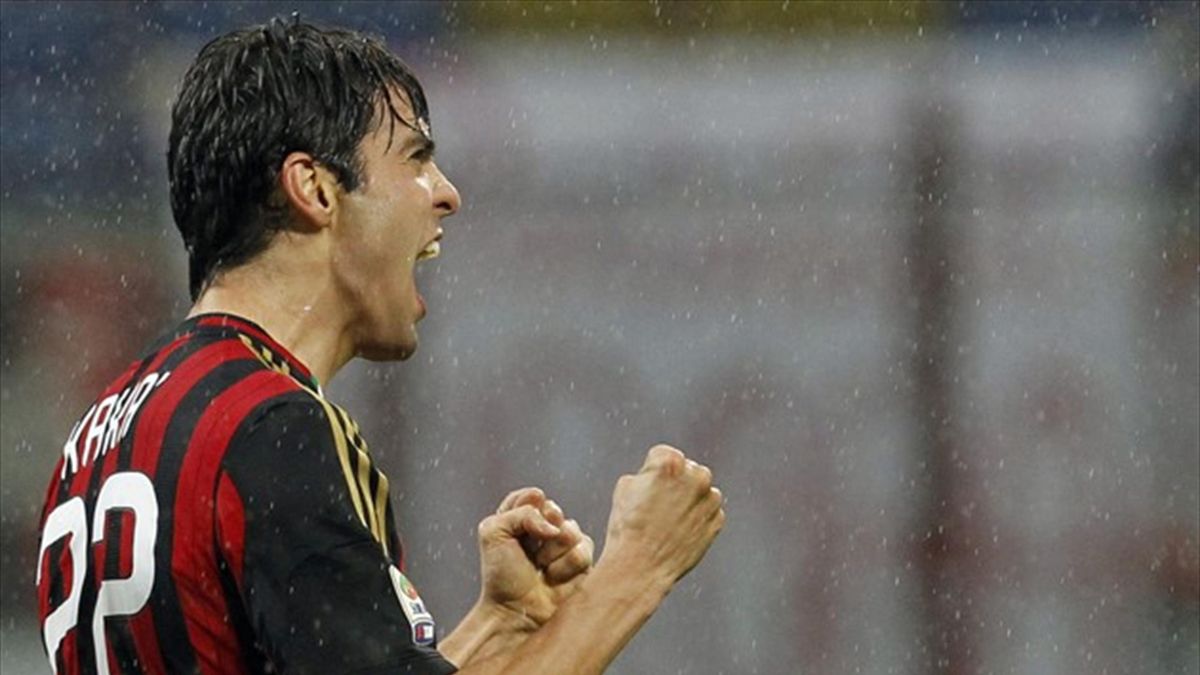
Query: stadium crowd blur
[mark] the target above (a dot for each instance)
(919, 282)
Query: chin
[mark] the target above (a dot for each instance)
(389, 352)
(398, 349)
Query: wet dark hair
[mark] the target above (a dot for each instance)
(253, 96)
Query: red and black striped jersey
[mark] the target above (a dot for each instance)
(212, 512)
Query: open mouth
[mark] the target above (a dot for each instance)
(432, 250)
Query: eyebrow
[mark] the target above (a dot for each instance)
(421, 142)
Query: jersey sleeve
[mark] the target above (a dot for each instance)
(320, 592)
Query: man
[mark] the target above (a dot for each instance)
(214, 512)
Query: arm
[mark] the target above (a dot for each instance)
(588, 631)
(486, 630)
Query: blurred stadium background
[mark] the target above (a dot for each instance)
(920, 282)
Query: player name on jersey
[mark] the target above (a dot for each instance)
(104, 424)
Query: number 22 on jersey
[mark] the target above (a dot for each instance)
(126, 491)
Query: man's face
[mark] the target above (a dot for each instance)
(383, 229)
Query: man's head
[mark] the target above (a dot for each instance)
(278, 128)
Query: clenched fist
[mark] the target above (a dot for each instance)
(532, 556)
(664, 517)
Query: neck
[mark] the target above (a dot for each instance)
(302, 313)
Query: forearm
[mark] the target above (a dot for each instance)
(589, 629)
(488, 629)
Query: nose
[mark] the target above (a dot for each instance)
(446, 200)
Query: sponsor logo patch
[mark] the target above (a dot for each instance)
(419, 618)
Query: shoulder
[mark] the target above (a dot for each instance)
(296, 428)
(293, 459)
(220, 392)
(293, 413)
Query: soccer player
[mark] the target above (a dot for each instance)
(214, 512)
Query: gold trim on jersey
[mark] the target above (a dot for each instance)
(269, 358)
(357, 467)
(363, 461)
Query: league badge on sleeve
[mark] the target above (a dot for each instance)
(418, 617)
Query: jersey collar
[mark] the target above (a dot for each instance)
(244, 326)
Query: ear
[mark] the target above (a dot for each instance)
(310, 189)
